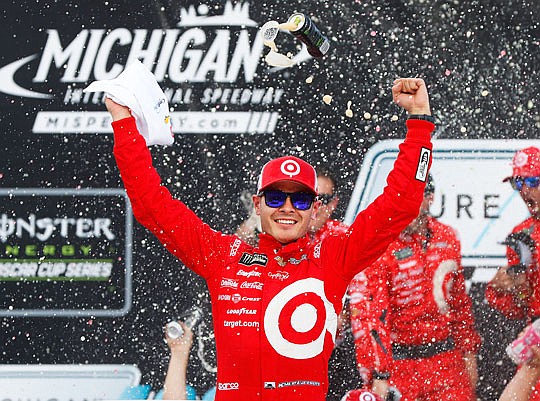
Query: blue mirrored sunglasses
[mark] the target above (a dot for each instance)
(518, 182)
(300, 200)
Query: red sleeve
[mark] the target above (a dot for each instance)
(381, 222)
(198, 246)
(462, 318)
(505, 302)
(369, 303)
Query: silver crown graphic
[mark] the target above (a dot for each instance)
(233, 15)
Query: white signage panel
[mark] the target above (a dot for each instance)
(66, 382)
(469, 193)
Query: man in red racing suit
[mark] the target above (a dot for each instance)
(515, 288)
(275, 306)
(411, 317)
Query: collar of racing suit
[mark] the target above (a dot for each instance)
(269, 244)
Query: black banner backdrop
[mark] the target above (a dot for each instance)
(231, 113)
(55, 265)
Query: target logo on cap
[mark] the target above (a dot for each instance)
(521, 159)
(526, 163)
(297, 319)
(290, 168)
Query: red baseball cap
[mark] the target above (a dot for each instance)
(526, 163)
(288, 168)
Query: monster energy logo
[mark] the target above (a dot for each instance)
(44, 228)
(248, 259)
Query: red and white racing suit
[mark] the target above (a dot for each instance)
(274, 306)
(528, 306)
(411, 317)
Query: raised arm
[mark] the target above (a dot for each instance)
(382, 221)
(174, 224)
(174, 387)
(117, 111)
(412, 95)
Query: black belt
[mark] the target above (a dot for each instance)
(403, 351)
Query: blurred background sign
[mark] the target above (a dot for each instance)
(469, 193)
(65, 252)
(66, 382)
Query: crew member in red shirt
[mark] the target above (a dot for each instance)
(515, 288)
(323, 224)
(275, 305)
(412, 319)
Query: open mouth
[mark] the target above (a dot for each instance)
(286, 222)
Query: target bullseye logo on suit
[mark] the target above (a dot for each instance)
(297, 319)
(443, 280)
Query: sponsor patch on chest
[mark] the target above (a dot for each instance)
(248, 274)
(403, 253)
(248, 259)
(228, 386)
(229, 283)
(279, 275)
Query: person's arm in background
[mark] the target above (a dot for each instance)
(524, 381)
(471, 365)
(174, 387)
(343, 323)
(250, 228)
(508, 293)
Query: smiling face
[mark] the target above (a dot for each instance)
(531, 197)
(285, 223)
